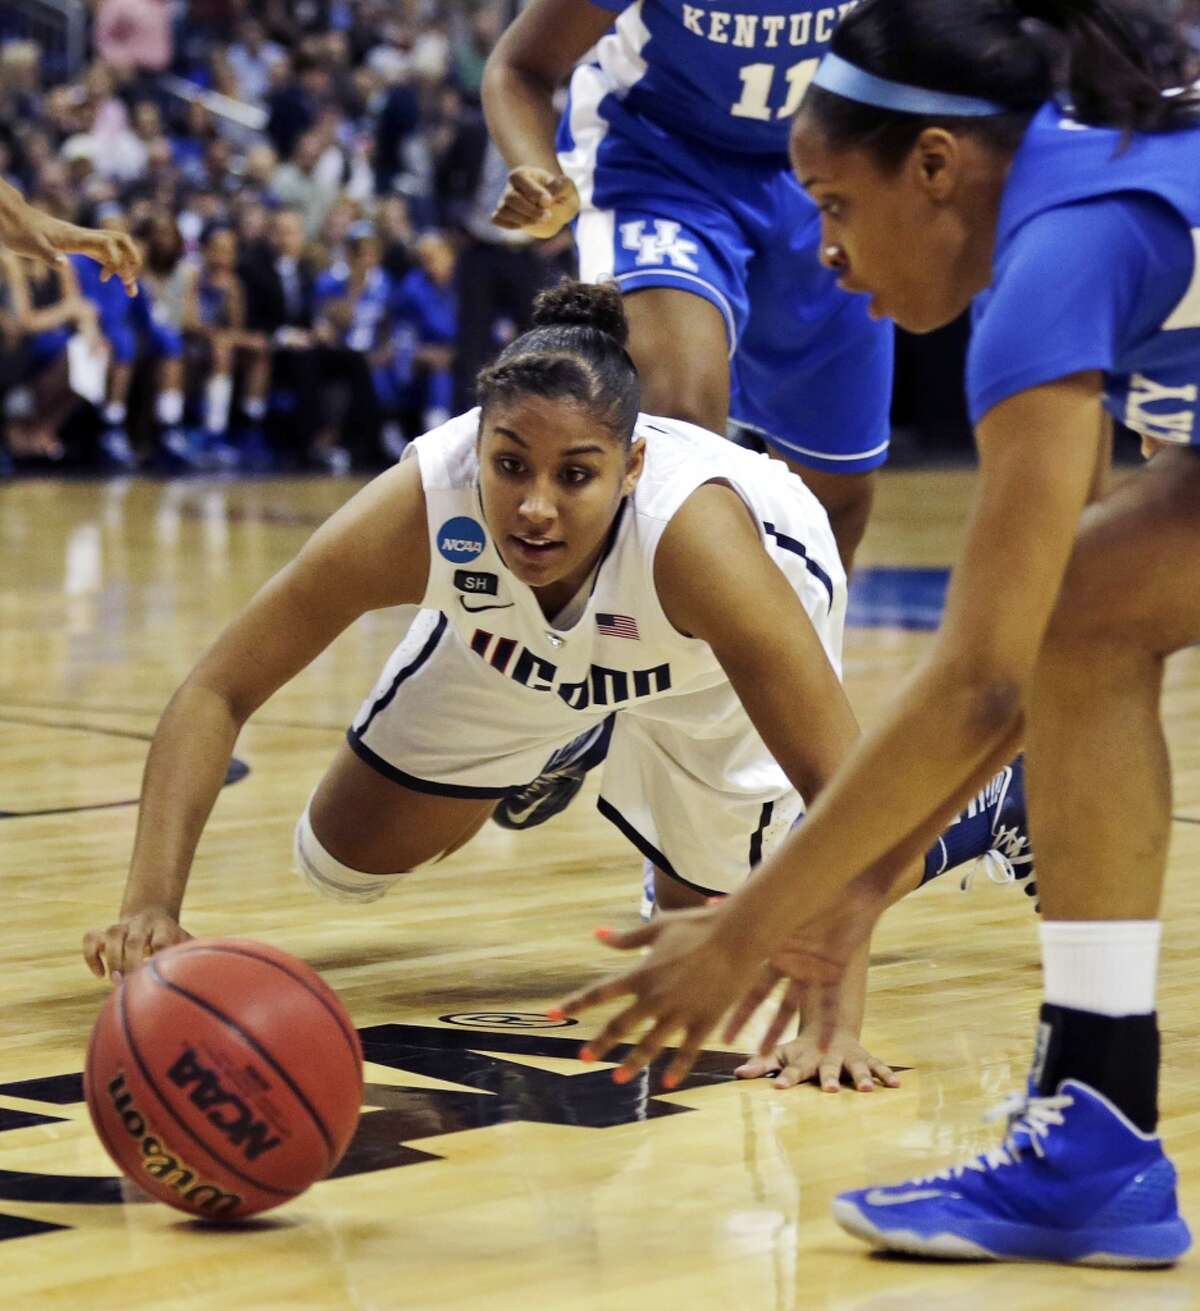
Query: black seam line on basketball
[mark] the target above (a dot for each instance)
(350, 1036)
(253, 1043)
(206, 1148)
(97, 1120)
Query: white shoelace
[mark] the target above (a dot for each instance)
(1032, 1116)
(1010, 848)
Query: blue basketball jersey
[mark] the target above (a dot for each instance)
(1096, 268)
(732, 75)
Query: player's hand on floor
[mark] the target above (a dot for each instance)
(802, 1060)
(536, 201)
(123, 946)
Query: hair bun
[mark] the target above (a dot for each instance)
(585, 305)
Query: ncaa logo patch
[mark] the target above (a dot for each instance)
(461, 540)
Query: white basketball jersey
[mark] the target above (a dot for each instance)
(616, 648)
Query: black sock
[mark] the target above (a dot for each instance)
(1115, 1055)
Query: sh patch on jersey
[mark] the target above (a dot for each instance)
(461, 540)
(466, 581)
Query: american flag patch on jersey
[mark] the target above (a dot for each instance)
(617, 626)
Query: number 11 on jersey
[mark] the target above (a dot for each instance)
(754, 101)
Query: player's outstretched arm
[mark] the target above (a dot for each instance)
(532, 58)
(950, 727)
(28, 231)
(717, 583)
(372, 553)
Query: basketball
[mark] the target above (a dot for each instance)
(224, 1077)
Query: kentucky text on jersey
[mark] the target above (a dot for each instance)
(729, 77)
(767, 30)
(601, 687)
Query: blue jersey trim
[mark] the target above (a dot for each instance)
(411, 668)
(662, 277)
(756, 838)
(647, 848)
(798, 548)
(415, 784)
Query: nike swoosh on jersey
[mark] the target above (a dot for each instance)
(475, 609)
(882, 1197)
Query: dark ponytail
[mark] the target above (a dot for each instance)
(576, 349)
(1111, 60)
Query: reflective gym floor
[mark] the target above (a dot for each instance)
(491, 1169)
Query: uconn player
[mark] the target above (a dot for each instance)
(672, 160)
(573, 558)
(945, 172)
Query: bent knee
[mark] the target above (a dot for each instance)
(333, 878)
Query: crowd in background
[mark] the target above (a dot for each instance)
(310, 181)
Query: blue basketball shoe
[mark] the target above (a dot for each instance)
(1074, 1181)
(993, 832)
(555, 787)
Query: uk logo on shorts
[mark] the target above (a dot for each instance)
(461, 540)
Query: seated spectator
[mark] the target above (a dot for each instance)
(134, 333)
(214, 317)
(46, 310)
(280, 286)
(301, 184)
(417, 380)
(354, 301)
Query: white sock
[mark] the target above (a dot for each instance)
(217, 396)
(255, 407)
(1107, 967)
(114, 413)
(168, 408)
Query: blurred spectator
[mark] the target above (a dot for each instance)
(280, 287)
(333, 113)
(354, 306)
(301, 183)
(46, 310)
(134, 34)
(251, 59)
(135, 334)
(415, 382)
(298, 89)
(499, 271)
(214, 319)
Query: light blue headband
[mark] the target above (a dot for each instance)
(845, 79)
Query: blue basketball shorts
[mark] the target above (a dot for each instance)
(811, 371)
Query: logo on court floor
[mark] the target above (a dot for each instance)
(461, 539)
(497, 1083)
(505, 1020)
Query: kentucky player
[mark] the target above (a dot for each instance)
(671, 159)
(573, 558)
(1048, 171)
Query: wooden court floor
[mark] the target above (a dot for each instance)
(491, 1169)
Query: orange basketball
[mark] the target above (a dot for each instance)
(224, 1077)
